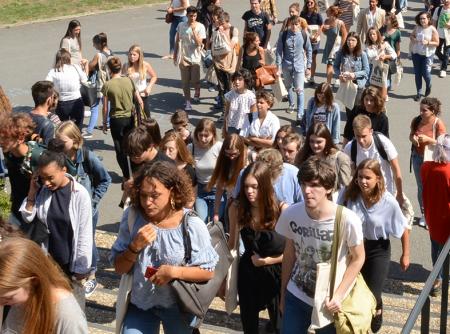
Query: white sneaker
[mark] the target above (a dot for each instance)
(422, 222)
(87, 113)
(188, 106)
(442, 74)
(337, 83)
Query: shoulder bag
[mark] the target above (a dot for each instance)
(220, 45)
(195, 298)
(137, 113)
(429, 149)
(358, 308)
(88, 91)
(337, 42)
(126, 282)
(266, 75)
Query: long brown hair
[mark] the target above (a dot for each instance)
(24, 265)
(353, 189)
(319, 130)
(205, 124)
(357, 51)
(328, 97)
(62, 58)
(183, 153)
(268, 206)
(227, 171)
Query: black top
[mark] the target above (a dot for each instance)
(257, 23)
(251, 63)
(259, 285)
(60, 227)
(380, 122)
(20, 182)
(158, 157)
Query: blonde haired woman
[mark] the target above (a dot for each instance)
(31, 281)
(138, 70)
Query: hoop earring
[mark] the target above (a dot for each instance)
(172, 203)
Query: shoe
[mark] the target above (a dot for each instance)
(337, 83)
(290, 110)
(220, 119)
(422, 222)
(311, 82)
(285, 99)
(437, 287)
(218, 106)
(417, 97)
(442, 74)
(428, 91)
(89, 287)
(87, 113)
(376, 323)
(188, 106)
(211, 88)
(100, 127)
(87, 135)
(196, 99)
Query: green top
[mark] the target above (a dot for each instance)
(120, 94)
(393, 38)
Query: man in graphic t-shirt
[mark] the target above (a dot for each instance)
(309, 228)
(441, 20)
(258, 21)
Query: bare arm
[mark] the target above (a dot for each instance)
(217, 201)
(151, 72)
(259, 142)
(166, 274)
(93, 63)
(404, 259)
(395, 166)
(262, 56)
(357, 257)
(234, 229)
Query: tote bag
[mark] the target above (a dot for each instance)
(379, 74)
(231, 291)
(220, 45)
(429, 149)
(337, 42)
(397, 77)
(347, 94)
(279, 90)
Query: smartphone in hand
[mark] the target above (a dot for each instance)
(150, 271)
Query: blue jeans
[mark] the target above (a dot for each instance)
(436, 249)
(403, 4)
(95, 255)
(296, 80)
(173, 30)
(204, 203)
(138, 321)
(297, 317)
(422, 69)
(417, 161)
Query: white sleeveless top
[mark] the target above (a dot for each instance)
(421, 35)
(176, 4)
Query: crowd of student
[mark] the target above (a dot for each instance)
(276, 191)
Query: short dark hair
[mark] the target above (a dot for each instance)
(100, 39)
(317, 169)
(114, 64)
(41, 91)
(47, 157)
(244, 74)
(266, 96)
(138, 141)
(191, 9)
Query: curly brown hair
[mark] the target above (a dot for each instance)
(5, 104)
(168, 174)
(16, 126)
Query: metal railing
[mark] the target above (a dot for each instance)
(422, 305)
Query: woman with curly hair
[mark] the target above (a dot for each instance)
(155, 240)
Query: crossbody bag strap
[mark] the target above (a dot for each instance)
(434, 127)
(335, 248)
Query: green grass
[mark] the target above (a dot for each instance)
(5, 204)
(30, 10)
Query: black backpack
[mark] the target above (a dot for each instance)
(378, 145)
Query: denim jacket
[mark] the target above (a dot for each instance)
(290, 52)
(80, 219)
(96, 180)
(361, 67)
(333, 119)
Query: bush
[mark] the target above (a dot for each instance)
(5, 203)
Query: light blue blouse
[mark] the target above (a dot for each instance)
(383, 219)
(167, 249)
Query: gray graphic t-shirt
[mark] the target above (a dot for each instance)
(313, 240)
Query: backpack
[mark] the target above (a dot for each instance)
(103, 74)
(30, 161)
(379, 146)
(284, 38)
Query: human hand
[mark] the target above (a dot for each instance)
(307, 72)
(400, 199)
(415, 141)
(145, 235)
(147, 91)
(258, 261)
(342, 77)
(34, 186)
(424, 139)
(404, 262)
(128, 185)
(334, 305)
(165, 274)
(216, 218)
(170, 10)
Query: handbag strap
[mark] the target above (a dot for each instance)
(335, 247)
(186, 237)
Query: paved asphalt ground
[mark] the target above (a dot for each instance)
(27, 53)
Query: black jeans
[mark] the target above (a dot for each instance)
(72, 110)
(119, 129)
(224, 83)
(443, 52)
(376, 266)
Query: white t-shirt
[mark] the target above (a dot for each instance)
(312, 241)
(267, 129)
(205, 161)
(191, 51)
(240, 105)
(372, 153)
(67, 81)
(442, 21)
